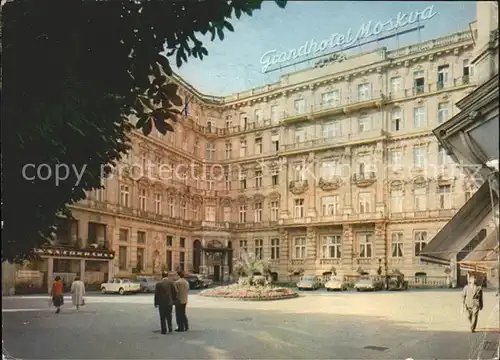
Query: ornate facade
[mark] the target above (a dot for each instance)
(334, 166)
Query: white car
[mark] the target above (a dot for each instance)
(121, 286)
(335, 284)
(369, 283)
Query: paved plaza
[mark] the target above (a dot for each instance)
(424, 324)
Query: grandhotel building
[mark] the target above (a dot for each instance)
(332, 166)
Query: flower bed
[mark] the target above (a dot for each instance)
(250, 293)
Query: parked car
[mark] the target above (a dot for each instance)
(206, 282)
(147, 284)
(397, 282)
(336, 284)
(367, 283)
(309, 282)
(121, 286)
(194, 281)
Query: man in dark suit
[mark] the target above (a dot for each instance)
(472, 300)
(165, 296)
(182, 289)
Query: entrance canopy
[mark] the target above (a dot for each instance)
(454, 238)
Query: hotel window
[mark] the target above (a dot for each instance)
(141, 238)
(419, 82)
(442, 112)
(243, 214)
(142, 199)
(257, 115)
(259, 244)
(419, 156)
(300, 135)
(331, 247)
(229, 149)
(171, 206)
(183, 210)
(275, 210)
(243, 180)
(365, 245)
(210, 151)
(396, 84)
(443, 157)
(210, 213)
(274, 114)
(258, 212)
(299, 208)
(211, 127)
(420, 194)
(365, 200)
(468, 71)
(420, 241)
(144, 164)
(442, 76)
(444, 192)
(124, 195)
(123, 235)
(329, 169)
(243, 148)
(197, 147)
(396, 120)
(397, 245)
(330, 99)
(299, 173)
(243, 121)
(275, 143)
(182, 260)
(243, 247)
(210, 182)
(196, 213)
(100, 194)
(364, 91)
(330, 205)
(396, 159)
(275, 180)
(227, 182)
(275, 249)
(300, 247)
(331, 129)
(159, 162)
(397, 201)
(300, 106)
(419, 117)
(169, 239)
(158, 203)
(229, 122)
(258, 179)
(364, 123)
(258, 146)
(227, 214)
(122, 257)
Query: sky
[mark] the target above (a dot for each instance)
(233, 65)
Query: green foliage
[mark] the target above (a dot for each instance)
(74, 72)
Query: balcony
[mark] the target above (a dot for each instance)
(430, 88)
(335, 261)
(330, 184)
(364, 179)
(423, 214)
(251, 126)
(365, 261)
(298, 187)
(368, 216)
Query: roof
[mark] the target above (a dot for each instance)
(459, 231)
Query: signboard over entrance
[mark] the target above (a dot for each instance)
(366, 30)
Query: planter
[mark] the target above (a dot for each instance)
(250, 293)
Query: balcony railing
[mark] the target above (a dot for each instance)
(422, 214)
(428, 88)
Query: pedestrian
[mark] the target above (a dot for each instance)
(182, 287)
(57, 294)
(77, 293)
(472, 300)
(165, 295)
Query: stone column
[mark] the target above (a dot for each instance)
(284, 213)
(311, 178)
(82, 270)
(348, 247)
(50, 273)
(348, 171)
(110, 270)
(284, 246)
(380, 173)
(311, 245)
(380, 244)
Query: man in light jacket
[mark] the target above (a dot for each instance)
(182, 287)
(472, 301)
(77, 292)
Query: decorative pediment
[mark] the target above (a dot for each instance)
(419, 101)
(144, 182)
(365, 179)
(274, 196)
(419, 182)
(445, 97)
(298, 187)
(143, 147)
(397, 185)
(330, 184)
(444, 179)
(242, 199)
(226, 202)
(197, 199)
(258, 197)
(171, 190)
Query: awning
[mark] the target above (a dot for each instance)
(461, 229)
(486, 251)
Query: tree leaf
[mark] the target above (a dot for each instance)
(228, 25)
(220, 33)
(170, 89)
(176, 100)
(281, 3)
(147, 127)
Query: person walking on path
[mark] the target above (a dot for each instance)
(57, 294)
(165, 295)
(182, 287)
(472, 301)
(77, 293)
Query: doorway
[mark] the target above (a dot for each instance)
(216, 272)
